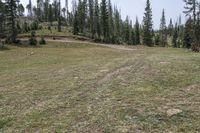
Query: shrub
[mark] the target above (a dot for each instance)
(32, 40)
(42, 41)
(195, 48)
(1, 44)
(34, 25)
(49, 28)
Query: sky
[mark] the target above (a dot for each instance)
(135, 8)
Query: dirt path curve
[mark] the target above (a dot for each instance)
(119, 47)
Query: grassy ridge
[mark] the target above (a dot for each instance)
(86, 88)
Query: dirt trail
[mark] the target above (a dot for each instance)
(119, 47)
(70, 40)
(110, 75)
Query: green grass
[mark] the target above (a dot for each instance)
(67, 87)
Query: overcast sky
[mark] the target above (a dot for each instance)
(133, 8)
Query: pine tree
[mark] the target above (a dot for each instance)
(133, 38)
(76, 24)
(180, 34)
(110, 20)
(59, 16)
(21, 10)
(104, 20)
(91, 18)
(30, 9)
(127, 31)
(192, 10)
(50, 15)
(117, 26)
(46, 10)
(55, 10)
(97, 28)
(71, 15)
(191, 7)
(2, 19)
(163, 30)
(188, 33)
(64, 12)
(170, 27)
(67, 8)
(148, 24)
(82, 15)
(175, 36)
(137, 32)
(11, 7)
(40, 9)
(197, 31)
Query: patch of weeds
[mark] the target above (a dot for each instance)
(3, 47)
(42, 41)
(4, 122)
(181, 117)
(153, 121)
(1, 97)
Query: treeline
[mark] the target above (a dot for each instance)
(102, 21)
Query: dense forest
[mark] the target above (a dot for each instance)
(102, 22)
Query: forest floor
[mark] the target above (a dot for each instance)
(86, 88)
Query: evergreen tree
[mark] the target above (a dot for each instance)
(97, 28)
(127, 31)
(170, 28)
(30, 9)
(104, 20)
(46, 10)
(148, 24)
(26, 27)
(117, 25)
(82, 15)
(188, 33)
(59, 16)
(137, 32)
(40, 9)
(35, 11)
(2, 19)
(191, 9)
(163, 30)
(11, 7)
(180, 34)
(21, 10)
(197, 31)
(91, 18)
(64, 12)
(133, 38)
(71, 15)
(110, 20)
(55, 8)
(75, 25)
(67, 8)
(50, 15)
(175, 36)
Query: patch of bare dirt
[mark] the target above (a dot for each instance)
(119, 47)
(164, 62)
(113, 74)
(191, 87)
(172, 112)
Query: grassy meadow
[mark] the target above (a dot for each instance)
(68, 87)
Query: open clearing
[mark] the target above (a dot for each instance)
(65, 87)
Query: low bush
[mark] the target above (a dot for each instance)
(32, 40)
(42, 41)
